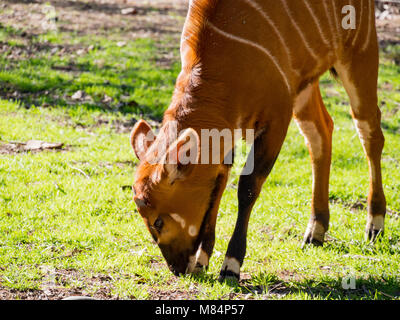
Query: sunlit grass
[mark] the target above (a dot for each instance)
(71, 210)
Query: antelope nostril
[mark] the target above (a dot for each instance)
(177, 270)
(174, 271)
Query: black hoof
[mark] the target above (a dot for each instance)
(200, 268)
(227, 275)
(312, 241)
(373, 234)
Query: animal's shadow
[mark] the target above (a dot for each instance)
(266, 285)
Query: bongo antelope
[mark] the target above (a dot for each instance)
(255, 64)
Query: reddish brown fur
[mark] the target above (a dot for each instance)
(238, 73)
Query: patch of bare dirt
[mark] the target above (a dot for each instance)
(388, 22)
(27, 49)
(360, 205)
(290, 275)
(15, 147)
(353, 206)
(117, 125)
(175, 294)
(133, 19)
(98, 287)
(119, 20)
(388, 31)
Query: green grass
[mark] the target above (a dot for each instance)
(69, 214)
(124, 71)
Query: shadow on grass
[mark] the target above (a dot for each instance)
(349, 288)
(49, 74)
(390, 127)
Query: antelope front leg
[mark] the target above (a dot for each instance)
(200, 260)
(266, 148)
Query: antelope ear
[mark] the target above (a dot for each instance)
(142, 137)
(182, 155)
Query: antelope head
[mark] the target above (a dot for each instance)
(176, 196)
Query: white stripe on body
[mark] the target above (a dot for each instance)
(317, 22)
(256, 46)
(331, 27)
(360, 24)
(299, 31)
(370, 22)
(268, 19)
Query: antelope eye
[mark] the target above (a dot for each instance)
(158, 224)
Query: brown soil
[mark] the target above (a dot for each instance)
(97, 287)
(153, 18)
(29, 146)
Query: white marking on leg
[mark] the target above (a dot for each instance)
(303, 99)
(313, 140)
(299, 31)
(202, 257)
(256, 46)
(231, 264)
(351, 89)
(178, 219)
(372, 170)
(199, 258)
(376, 222)
(316, 230)
(312, 137)
(363, 129)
